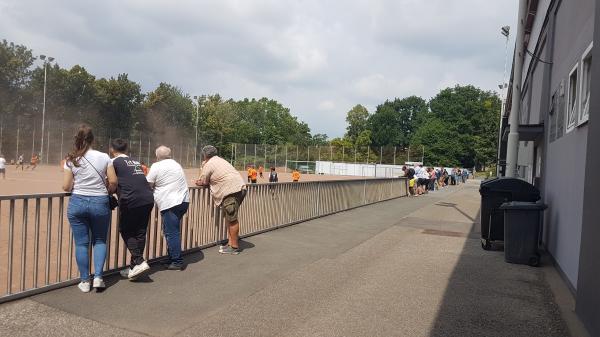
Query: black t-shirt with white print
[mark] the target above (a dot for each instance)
(133, 189)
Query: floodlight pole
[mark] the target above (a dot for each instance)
(512, 147)
(503, 91)
(196, 129)
(50, 59)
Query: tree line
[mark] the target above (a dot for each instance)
(457, 127)
(117, 107)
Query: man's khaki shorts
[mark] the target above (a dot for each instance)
(231, 205)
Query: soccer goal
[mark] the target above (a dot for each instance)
(303, 166)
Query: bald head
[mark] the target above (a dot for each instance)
(163, 152)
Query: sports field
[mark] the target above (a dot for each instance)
(48, 179)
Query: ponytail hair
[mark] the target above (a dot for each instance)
(82, 142)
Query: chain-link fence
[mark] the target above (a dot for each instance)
(23, 137)
(256, 155)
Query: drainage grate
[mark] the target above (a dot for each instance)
(444, 233)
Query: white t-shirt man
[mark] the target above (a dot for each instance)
(421, 173)
(170, 185)
(89, 178)
(2, 163)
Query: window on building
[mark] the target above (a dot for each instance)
(572, 102)
(586, 77)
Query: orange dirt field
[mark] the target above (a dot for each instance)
(48, 179)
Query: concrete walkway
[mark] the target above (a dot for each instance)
(407, 267)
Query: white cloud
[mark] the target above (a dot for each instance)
(318, 58)
(326, 105)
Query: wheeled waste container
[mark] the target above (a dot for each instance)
(522, 224)
(494, 192)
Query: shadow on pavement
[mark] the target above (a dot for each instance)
(486, 296)
(452, 205)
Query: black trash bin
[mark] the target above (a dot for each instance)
(522, 224)
(494, 192)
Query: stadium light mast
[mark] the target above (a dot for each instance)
(46, 62)
(512, 146)
(505, 31)
(196, 127)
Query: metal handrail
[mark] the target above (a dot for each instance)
(43, 258)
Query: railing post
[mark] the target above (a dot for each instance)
(318, 199)
(365, 192)
(11, 225)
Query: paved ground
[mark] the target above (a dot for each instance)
(408, 267)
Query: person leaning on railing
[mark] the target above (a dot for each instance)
(90, 177)
(172, 198)
(2, 166)
(135, 206)
(227, 189)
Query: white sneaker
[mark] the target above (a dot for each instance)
(138, 270)
(125, 272)
(84, 286)
(99, 283)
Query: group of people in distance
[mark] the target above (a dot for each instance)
(93, 177)
(20, 162)
(35, 159)
(253, 175)
(421, 180)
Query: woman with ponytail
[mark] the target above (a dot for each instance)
(90, 177)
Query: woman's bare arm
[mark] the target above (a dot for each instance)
(112, 179)
(67, 185)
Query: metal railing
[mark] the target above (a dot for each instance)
(36, 242)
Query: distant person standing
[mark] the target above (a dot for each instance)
(2, 166)
(90, 177)
(20, 162)
(422, 179)
(135, 206)
(172, 198)
(295, 176)
(273, 178)
(253, 175)
(249, 170)
(228, 191)
(261, 170)
(35, 158)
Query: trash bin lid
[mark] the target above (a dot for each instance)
(524, 205)
(518, 189)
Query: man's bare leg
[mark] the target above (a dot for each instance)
(234, 231)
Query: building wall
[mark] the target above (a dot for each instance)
(565, 156)
(536, 30)
(588, 296)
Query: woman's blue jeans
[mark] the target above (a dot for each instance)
(171, 225)
(89, 215)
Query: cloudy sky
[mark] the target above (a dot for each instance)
(317, 57)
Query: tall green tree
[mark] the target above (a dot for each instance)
(15, 71)
(357, 119)
(442, 145)
(472, 115)
(117, 100)
(394, 122)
